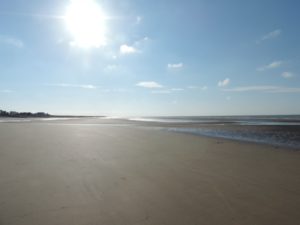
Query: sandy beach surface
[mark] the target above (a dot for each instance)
(96, 172)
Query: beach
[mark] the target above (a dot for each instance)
(92, 171)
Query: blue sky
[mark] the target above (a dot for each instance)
(109, 57)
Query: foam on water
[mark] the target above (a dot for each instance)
(276, 138)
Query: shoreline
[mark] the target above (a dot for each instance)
(285, 136)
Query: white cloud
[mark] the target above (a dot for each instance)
(88, 86)
(272, 65)
(149, 84)
(266, 88)
(126, 49)
(273, 34)
(135, 47)
(11, 41)
(84, 86)
(287, 75)
(224, 83)
(175, 65)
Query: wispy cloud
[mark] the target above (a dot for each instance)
(287, 75)
(177, 89)
(175, 65)
(157, 88)
(203, 88)
(271, 35)
(92, 87)
(272, 65)
(264, 88)
(161, 92)
(149, 84)
(6, 91)
(224, 83)
(251, 88)
(66, 85)
(126, 49)
(168, 91)
(7, 40)
(286, 90)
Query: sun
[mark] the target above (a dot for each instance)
(85, 21)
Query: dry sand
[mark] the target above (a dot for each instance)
(57, 174)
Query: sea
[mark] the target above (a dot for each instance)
(281, 131)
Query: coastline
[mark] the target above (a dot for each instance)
(55, 173)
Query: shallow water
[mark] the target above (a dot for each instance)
(238, 120)
(276, 137)
(281, 131)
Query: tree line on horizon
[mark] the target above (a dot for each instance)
(22, 114)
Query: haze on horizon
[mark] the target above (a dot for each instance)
(109, 57)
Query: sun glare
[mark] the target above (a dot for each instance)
(86, 22)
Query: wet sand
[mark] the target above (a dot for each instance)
(82, 173)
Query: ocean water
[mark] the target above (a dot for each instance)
(222, 120)
(283, 131)
(276, 137)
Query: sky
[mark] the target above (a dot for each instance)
(150, 58)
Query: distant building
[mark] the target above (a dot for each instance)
(13, 113)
